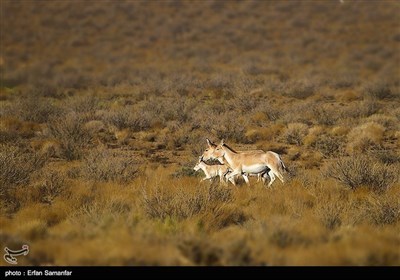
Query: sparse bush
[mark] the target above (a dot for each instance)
(361, 109)
(359, 171)
(299, 89)
(183, 203)
(72, 135)
(325, 115)
(295, 133)
(223, 216)
(34, 109)
(16, 169)
(52, 186)
(344, 81)
(126, 118)
(286, 238)
(105, 165)
(385, 156)
(16, 166)
(201, 252)
(364, 137)
(86, 104)
(328, 145)
(378, 91)
(384, 212)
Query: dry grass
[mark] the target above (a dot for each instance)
(98, 138)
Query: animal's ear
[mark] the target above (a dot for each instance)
(209, 143)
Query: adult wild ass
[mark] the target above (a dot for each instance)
(242, 163)
(210, 150)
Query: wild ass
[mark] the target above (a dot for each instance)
(241, 162)
(212, 171)
(261, 175)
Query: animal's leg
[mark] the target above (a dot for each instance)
(272, 176)
(246, 179)
(206, 178)
(232, 176)
(278, 174)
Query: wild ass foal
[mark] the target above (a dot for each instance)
(210, 150)
(249, 162)
(213, 170)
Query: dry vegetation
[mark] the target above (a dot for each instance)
(105, 107)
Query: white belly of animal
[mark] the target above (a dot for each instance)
(214, 173)
(255, 168)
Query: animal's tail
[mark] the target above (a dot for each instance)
(283, 166)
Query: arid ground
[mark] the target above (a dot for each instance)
(105, 107)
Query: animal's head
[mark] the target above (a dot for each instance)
(197, 166)
(208, 153)
(219, 151)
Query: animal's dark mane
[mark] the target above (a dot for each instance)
(232, 150)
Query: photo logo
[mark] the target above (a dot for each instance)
(10, 255)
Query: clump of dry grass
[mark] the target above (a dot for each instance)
(52, 186)
(16, 169)
(295, 133)
(182, 203)
(17, 165)
(378, 91)
(329, 144)
(361, 170)
(299, 89)
(106, 165)
(71, 133)
(365, 136)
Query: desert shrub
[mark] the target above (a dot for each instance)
(299, 89)
(201, 251)
(34, 109)
(106, 165)
(95, 126)
(16, 169)
(384, 212)
(330, 214)
(344, 81)
(177, 110)
(227, 126)
(328, 145)
(272, 112)
(295, 133)
(182, 203)
(361, 109)
(52, 185)
(177, 137)
(9, 136)
(223, 216)
(360, 170)
(366, 136)
(378, 90)
(127, 118)
(389, 122)
(385, 156)
(86, 104)
(17, 165)
(325, 115)
(284, 238)
(72, 135)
